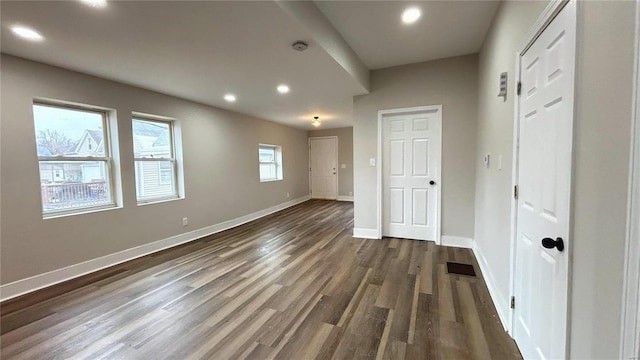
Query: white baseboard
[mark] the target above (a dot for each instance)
(24, 286)
(366, 233)
(345, 198)
(501, 303)
(457, 241)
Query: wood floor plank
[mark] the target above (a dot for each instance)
(477, 341)
(292, 285)
(445, 295)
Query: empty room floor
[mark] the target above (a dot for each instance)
(292, 285)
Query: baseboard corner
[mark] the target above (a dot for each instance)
(364, 233)
(344, 198)
(456, 241)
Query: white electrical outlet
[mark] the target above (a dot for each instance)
(350, 193)
(343, 166)
(372, 162)
(185, 221)
(287, 195)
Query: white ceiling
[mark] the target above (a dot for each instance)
(194, 50)
(201, 50)
(374, 30)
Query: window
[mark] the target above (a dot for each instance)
(155, 159)
(74, 158)
(270, 160)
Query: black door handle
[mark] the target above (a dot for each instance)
(432, 182)
(549, 243)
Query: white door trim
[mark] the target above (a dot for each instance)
(381, 114)
(336, 162)
(630, 332)
(546, 17)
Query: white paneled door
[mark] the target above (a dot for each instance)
(544, 180)
(411, 147)
(323, 155)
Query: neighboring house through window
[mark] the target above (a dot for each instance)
(74, 158)
(155, 159)
(270, 162)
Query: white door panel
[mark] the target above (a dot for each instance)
(324, 162)
(410, 161)
(544, 178)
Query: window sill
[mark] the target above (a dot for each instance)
(270, 180)
(61, 214)
(159, 200)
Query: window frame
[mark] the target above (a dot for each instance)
(173, 160)
(107, 159)
(277, 161)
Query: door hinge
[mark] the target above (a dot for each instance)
(515, 192)
(513, 302)
(519, 88)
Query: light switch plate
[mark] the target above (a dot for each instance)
(343, 166)
(372, 162)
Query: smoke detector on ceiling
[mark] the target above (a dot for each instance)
(300, 45)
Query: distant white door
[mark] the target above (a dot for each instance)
(411, 145)
(544, 179)
(324, 162)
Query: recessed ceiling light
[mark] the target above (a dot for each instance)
(230, 97)
(95, 3)
(411, 15)
(26, 33)
(283, 89)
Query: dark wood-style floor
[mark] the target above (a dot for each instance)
(292, 285)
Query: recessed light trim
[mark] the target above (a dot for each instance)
(95, 3)
(230, 98)
(283, 89)
(26, 33)
(411, 15)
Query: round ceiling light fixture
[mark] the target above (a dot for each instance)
(316, 121)
(300, 45)
(230, 98)
(411, 15)
(96, 3)
(283, 89)
(26, 33)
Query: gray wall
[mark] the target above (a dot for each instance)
(601, 154)
(451, 82)
(345, 156)
(495, 136)
(220, 165)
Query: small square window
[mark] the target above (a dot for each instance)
(270, 162)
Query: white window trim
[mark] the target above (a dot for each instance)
(174, 158)
(277, 149)
(111, 171)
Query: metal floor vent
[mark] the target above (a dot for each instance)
(460, 269)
